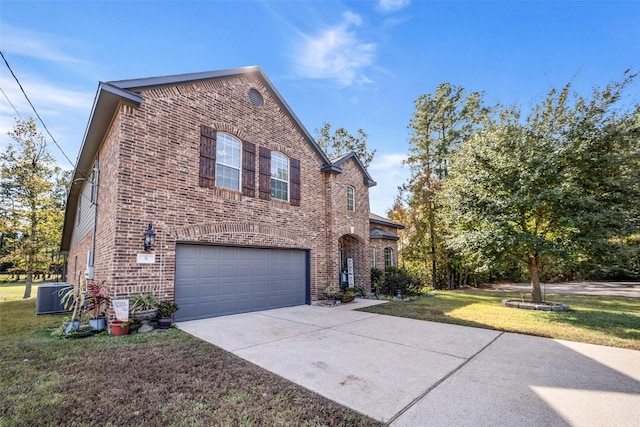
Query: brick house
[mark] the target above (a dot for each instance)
(247, 210)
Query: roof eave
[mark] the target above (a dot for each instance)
(387, 223)
(108, 99)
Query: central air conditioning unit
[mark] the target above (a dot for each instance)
(49, 298)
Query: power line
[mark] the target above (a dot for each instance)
(38, 115)
(11, 103)
(81, 195)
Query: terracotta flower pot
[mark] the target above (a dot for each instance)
(119, 328)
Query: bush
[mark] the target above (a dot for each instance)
(397, 279)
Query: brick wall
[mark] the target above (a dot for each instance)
(381, 244)
(354, 224)
(150, 171)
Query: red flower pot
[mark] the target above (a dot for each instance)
(119, 328)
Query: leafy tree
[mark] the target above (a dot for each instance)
(441, 122)
(561, 183)
(28, 202)
(341, 142)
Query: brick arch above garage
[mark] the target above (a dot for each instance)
(237, 232)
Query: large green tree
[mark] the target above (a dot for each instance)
(442, 121)
(341, 142)
(29, 205)
(564, 181)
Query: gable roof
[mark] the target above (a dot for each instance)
(335, 167)
(111, 95)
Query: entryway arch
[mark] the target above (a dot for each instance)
(353, 247)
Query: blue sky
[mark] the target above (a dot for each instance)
(355, 64)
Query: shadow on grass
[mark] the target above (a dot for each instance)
(613, 316)
(593, 319)
(436, 308)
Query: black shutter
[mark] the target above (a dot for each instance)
(207, 157)
(295, 182)
(265, 173)
(248, 169)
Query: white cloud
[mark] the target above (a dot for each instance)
(59, 84)
(36, 45)
(335, 53)
(64, 111)
(389, 173)
(352, 18)
(393, 5)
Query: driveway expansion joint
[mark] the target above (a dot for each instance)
(441, 380)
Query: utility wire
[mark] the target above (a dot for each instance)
(38, 116)
(11, 103)
(45, 127)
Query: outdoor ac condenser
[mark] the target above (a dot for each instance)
(48, 298)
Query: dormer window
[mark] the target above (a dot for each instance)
(351, 199)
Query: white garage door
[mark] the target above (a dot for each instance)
(219, 280)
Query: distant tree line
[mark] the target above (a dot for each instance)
(498, 194)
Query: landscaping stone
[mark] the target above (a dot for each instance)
(530, 305)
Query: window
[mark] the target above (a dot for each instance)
(351, 199)
(228, 162)
(279, 176)
(373, 257)
(388, 257)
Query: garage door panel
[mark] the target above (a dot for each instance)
(206, 290)
(215, 280)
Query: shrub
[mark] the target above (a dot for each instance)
(397, 279)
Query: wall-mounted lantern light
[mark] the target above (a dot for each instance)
(149, 238)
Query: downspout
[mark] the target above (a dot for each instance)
(91, 257)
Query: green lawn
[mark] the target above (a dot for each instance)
(611, 321)
(12, 289)
(156, 379)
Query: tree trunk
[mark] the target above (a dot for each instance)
(27, 288)
(534, 267)
(432, 237)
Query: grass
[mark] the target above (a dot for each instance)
(12, 289)
(610, 321)
(162, 378)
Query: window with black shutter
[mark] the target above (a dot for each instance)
(265, 174)
(207, 157)
(248, 169)
(295, 182)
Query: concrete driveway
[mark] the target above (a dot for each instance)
(415, 373)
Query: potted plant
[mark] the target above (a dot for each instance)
(347, 294)
(95, 301)
(143, 308)
(119, 327)
(73, 299)
(166, 310)
(331, 291)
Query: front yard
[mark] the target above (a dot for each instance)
(611, 321)
(173, 379)
(162, 378)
